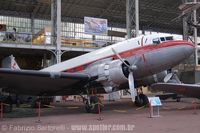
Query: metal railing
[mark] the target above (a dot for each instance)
(35, 39)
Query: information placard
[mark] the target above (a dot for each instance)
(154, 101)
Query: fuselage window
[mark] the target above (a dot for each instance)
(156, 41)
(169, 38)
(138, 42)
(146, 40)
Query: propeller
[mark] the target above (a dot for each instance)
(131, 67)
(132, 86)
(130, 76)
(115, 52)
(168, 77)
(172, 77)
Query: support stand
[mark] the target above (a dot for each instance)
(195, 106)
(1, 110)
(154, 102)
(38, 111)
(99, 110)
(152, 115)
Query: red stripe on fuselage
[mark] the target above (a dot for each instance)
(136, 51)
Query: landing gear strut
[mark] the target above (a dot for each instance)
(92, 103)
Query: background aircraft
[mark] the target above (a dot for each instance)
(190, 90)
(125, 65)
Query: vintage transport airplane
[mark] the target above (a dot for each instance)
(125, 65)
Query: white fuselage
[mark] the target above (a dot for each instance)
(101, 53)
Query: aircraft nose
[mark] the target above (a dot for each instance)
(189, 48)
(184, 49)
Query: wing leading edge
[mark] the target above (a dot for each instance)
(190, 90)
(31, 82)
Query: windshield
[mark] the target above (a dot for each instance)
(169, 38)
(162, 39)
(156, 41)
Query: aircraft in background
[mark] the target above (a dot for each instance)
(127, 65)
(189, 90)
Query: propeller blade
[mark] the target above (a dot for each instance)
(172, 77)
(168, 77)
(115, 52)
(132, 67)
(132, 86)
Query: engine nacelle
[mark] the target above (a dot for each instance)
(111, 74)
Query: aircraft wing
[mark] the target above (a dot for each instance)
(32, 82)
(190, 90)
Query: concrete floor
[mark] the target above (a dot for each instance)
(120, 116)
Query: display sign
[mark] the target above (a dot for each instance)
(2, 27)
(154, 101)
(95, 26)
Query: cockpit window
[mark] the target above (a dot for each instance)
(169, 38)
(162, 39)
(156, 41)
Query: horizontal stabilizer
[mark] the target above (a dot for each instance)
(9, 62)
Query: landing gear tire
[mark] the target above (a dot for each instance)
(142, 100)
(93, 106)
(87, 107)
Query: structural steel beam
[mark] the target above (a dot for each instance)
(32, 23)
(195, 34)
(56, 27)
(132, 18)
(185, 28)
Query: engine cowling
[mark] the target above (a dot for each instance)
(111, 74)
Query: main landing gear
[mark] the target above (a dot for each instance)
(138, 97)
(92, 103)
(141, 99)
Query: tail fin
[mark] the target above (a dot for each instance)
(9, 62)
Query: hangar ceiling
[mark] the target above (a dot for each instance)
(155, 15)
